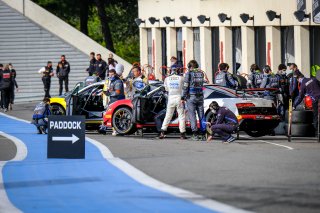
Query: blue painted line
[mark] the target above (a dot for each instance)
(38, 184)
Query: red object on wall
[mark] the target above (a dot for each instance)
(269, 54)
(221, 52)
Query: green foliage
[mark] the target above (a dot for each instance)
(120, 13)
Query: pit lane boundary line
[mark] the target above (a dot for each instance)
(276, 144)
(146, 180)
(5, 204)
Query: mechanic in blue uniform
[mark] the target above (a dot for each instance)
(224, 78)
(310, 87)
(255, 77)
(269, 81)
(47, 73)
(293, 79)
(283, 82)
(40, 115)
(225, 124)
(116, 89)
(193, 95)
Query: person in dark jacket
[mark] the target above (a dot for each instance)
(310, 87)
(40, 116)
(6, 84)
(255, 77)
(224, 78)
(92, 64)
(1, 93)
(293, 80)
(47, 73)
(62, 71)
(101, 67)
(226, 122)
(13, 87)
(283, 96)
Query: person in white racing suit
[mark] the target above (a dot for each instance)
(174, 85)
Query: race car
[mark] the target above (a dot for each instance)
(257, 116)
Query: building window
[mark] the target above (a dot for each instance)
(149, 41)
(179, 46)
(260, 46)
(196, 45)
(164, 49)
(287, 45)
(236, 49)
(215, 50)
(314, 49)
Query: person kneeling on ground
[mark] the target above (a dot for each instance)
(226, 122)
(40, 116)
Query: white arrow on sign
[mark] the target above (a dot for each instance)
(73, 138)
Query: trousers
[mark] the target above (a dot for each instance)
(195, 106)
(66, 84)
(46, 84)
(174, 102)
(223, 130)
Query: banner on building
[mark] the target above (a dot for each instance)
(316, 11)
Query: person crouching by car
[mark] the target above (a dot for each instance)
(116, 89)
(40, 116)
(226, 122)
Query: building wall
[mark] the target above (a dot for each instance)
(211, 8)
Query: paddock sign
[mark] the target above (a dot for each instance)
(66, 137)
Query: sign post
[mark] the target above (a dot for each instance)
(66, 137)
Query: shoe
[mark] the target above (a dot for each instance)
(230, 139)
(5, 110)
(43, 130)
(194, 137)
(202, 138)
(114, 133)
(183, 136)
(39, 131)
(162, 135)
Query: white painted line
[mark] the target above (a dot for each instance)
(5, 204)
(144, 179)
(276, 144)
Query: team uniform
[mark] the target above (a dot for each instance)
(40, 117)
(225, 79)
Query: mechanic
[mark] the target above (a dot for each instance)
(13, 86)
(119, 70)
(193, 95)
(255, 78)
(92, 64)
(269, 79)
(224, 78)
(310, 87)
(174, 63)
(6, 85)
(174, 85)
(101, 67)
(137, 83)
(63, 74)
(293, 80)
(40, 115)
(283, 82)
(225, 124)
(47, 73)
(115, 90)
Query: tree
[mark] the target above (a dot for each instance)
(104, 24)
(84, 16)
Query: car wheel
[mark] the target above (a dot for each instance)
(122, 121)
(301, 130)
(57, 110)
(258, 133)
(300, 117)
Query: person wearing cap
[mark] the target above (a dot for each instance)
(225, 124)
(47, 73)
(310, 87)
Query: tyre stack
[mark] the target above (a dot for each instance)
(301, 124)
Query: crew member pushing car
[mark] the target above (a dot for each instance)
(174, 85)
(193, 94)
(47, 73)
(226, 122)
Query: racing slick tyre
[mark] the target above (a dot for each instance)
(301, 130)
(57, 109)
(122, 121)
(300, 117)
(257, 133)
